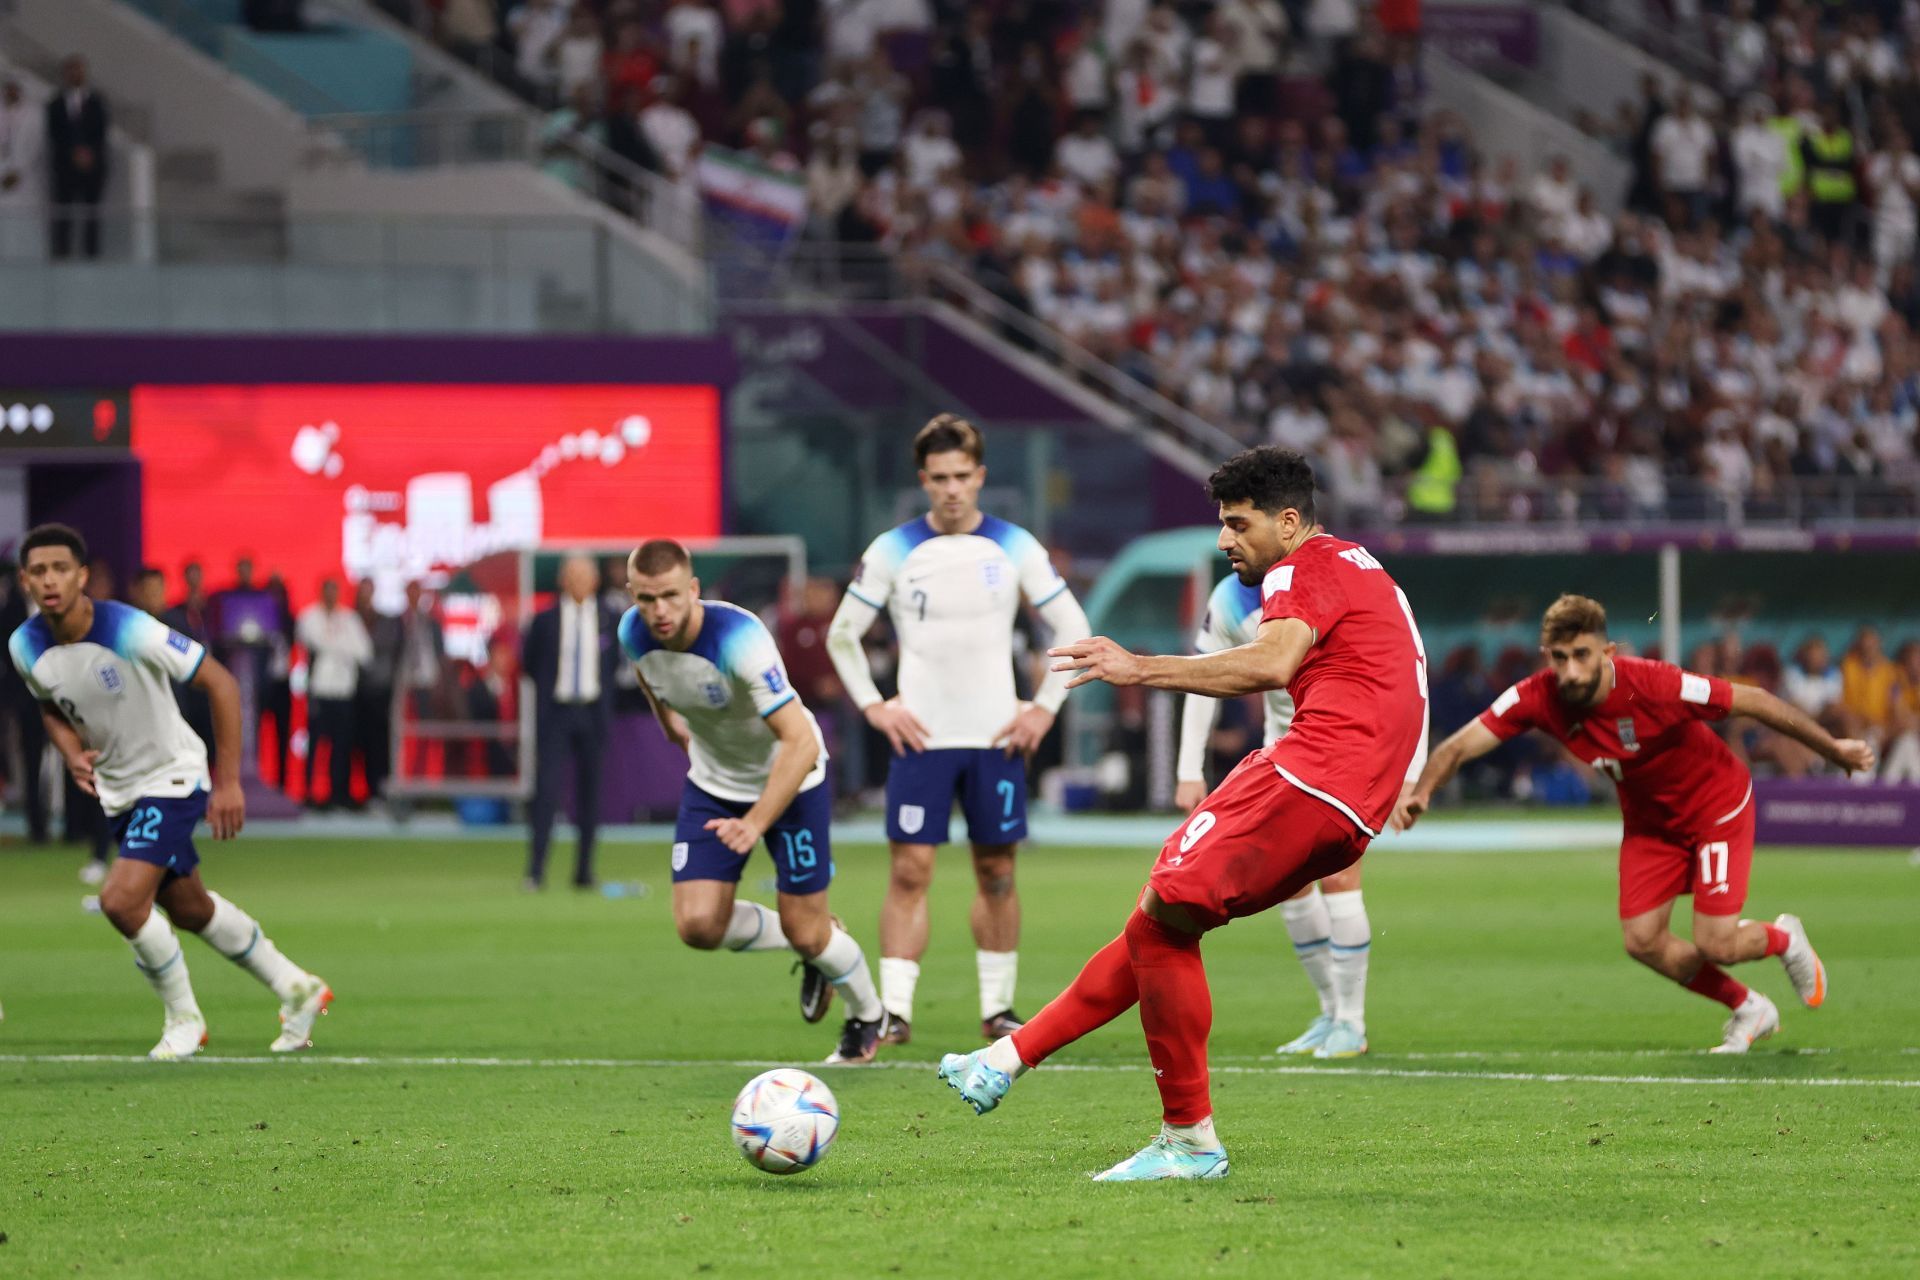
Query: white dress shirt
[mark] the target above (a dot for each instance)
(579, 674)
(337, 644)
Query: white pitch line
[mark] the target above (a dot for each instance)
(1392, 1073)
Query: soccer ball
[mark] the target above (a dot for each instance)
(784, 1121)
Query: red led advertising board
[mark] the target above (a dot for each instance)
(403, 482)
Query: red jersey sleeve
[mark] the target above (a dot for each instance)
(1698, 696)
(1517, 710)
(1307, 591)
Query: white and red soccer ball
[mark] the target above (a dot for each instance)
(785, 1121)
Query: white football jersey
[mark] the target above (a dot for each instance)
(115, 688)
(1233, 619)
(725, 684)
(953, 599)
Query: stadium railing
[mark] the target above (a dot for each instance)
(313, 272)
(1678, 47)
(417, 140)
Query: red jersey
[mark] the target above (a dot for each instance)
(1360, 695)
(1675, 775)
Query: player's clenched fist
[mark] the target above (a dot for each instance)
(1853, 755)
(1097, 658)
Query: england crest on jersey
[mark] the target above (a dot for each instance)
(1628, 742)
(992, 574)
(716, 694)
(110, 678)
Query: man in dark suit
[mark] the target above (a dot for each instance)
(77, 150)
(571, 653)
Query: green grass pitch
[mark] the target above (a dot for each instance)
(1535, 1103)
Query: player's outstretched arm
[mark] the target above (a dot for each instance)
(227, 811)
(1470, 742)
(1266, 664)
(66, 740)
(793, 760)
(1849, 753)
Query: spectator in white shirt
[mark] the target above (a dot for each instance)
(1086, 155)
(1210, 80)
(695, 35)
(1553, 194)
(1812, 680)
(1683, 147)
(1759, 162)
(1893, 177)
(337, 646)
(536, 27)
(930, 152)
(578, 54)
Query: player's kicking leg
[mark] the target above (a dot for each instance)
(1263, 842)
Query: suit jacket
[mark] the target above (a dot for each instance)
(540, 655)
(66, 131)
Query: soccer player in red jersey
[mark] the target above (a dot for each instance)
(1686, 800)
(1336, 633)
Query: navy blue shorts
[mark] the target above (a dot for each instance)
(159, 830)
(991, 788)
(801, 841)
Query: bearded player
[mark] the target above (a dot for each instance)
(1339, 636)
(757, 770)
(103, 674)
(1686, 800)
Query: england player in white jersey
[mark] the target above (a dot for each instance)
(757, 769)
(1327, 922)
(103, 675)
(951, 582)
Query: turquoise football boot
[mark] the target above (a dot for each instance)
(1307, 1041)
(969, 1075)
(1344, 1041)
(1164, 1158)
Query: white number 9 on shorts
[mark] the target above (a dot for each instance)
(1201, 823)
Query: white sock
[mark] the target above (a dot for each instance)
(158, 954)
(1352, 936)
(998, 971)
(898, 978)
(1311, 930)
(237, 936)
(845, 966)
(1003, 1057)
(754, 928)
(1193, 1137)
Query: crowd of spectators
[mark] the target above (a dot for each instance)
(1251, 207)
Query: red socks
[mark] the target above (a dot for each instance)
(1176, 1009)
(1716, 983)
(1777, 939)
(1103, 991)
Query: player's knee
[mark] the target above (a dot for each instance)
(702, 934)
(1643, 947)
(807, 934)
(125, 911)
(995, 882)
(911, 874)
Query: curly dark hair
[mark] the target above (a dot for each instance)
(53, 535)
(1269, 477)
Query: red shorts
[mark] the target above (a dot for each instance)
(1657, 867)
(1256, 840)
